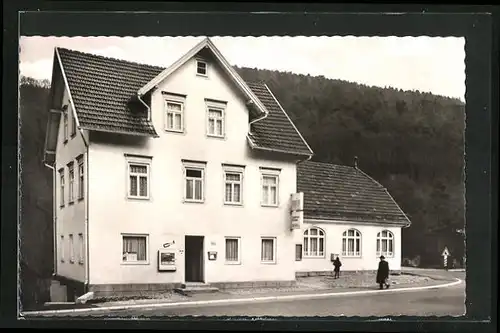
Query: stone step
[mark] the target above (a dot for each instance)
(195, 287)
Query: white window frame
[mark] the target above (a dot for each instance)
(65, 123)
(269, 173)
(172, 99)
(307, 237)
(198, 167)
(216, 106)
(71, 181)
(139, 161)
(200, 61)
(81, 177)
(345, 243)
(240, 172)
(73, 122)
(71, 249)
(274, 250)
(61, 187)
(389, 238)
(138, 262)
(81, 248)
(62, 252)
(230, 262)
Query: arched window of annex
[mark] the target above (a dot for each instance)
(351, 243)
(385, 244)
(314, 243)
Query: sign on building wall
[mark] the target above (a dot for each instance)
(297, 210)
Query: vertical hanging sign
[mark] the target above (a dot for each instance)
(297, 210)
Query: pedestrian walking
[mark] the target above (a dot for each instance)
(383, 273)
(337, 264)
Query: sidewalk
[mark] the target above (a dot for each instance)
(313, 286)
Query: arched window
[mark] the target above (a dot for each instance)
(385, 244)
(351, 243)
(314, 243)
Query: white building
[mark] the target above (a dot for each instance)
(168, 176)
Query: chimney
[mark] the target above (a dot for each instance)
(356, 162)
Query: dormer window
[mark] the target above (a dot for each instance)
(201, 68)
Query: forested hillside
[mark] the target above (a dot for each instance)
(411, 142)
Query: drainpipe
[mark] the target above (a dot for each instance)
(255, 120)
(86, 198)
(147, 106)
(54, 218)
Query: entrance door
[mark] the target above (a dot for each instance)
(194, 258)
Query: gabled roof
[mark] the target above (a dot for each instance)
(233, 75)
(276, 131)
(343, 193)
(103, 91)
(105, 95)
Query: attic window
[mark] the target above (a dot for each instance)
(201, 68)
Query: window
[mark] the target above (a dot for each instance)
(268, 250)
(351, 243)
(61, 186)
(71, 249)
(73, 124)
(298, 252)
(138, 176)
(174, 116)
(81, 248)
(215, 122)
(233, 181)
(65, 123)
(270, 186)
(62, 253)
(134, 249)
(201, 68)
(314, 243)
(71, 173)
(194, 179)
(385, 244)
(81, 189)
(232, 250)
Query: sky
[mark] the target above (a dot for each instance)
(427, 64)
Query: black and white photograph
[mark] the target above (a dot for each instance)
(283, 176)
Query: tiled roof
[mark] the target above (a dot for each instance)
(337, 192)
(102, 89)
(276, 131)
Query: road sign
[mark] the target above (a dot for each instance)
(445, 253)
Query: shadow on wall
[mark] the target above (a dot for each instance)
(34, 290)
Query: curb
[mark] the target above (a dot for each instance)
(240, 300)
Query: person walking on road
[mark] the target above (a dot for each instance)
(336, 270)
(383, 273)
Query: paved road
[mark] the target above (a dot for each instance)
(430, 302)
(433, 302)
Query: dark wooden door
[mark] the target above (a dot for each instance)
(194, 258)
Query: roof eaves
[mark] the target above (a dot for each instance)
(347, 221)
(253, 145)
(387, 192)
(135, 133)
(290, 120)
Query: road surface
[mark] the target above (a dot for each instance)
(447, 301)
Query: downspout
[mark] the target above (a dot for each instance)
(54, 216)
(147, 106)
(86, 198)
(256, 120)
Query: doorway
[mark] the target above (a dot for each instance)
(194, 259)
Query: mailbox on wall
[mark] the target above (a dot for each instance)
(166, 260)
(212, 255)
(333, 256)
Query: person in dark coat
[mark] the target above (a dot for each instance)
(383, 273)
(336, 270)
